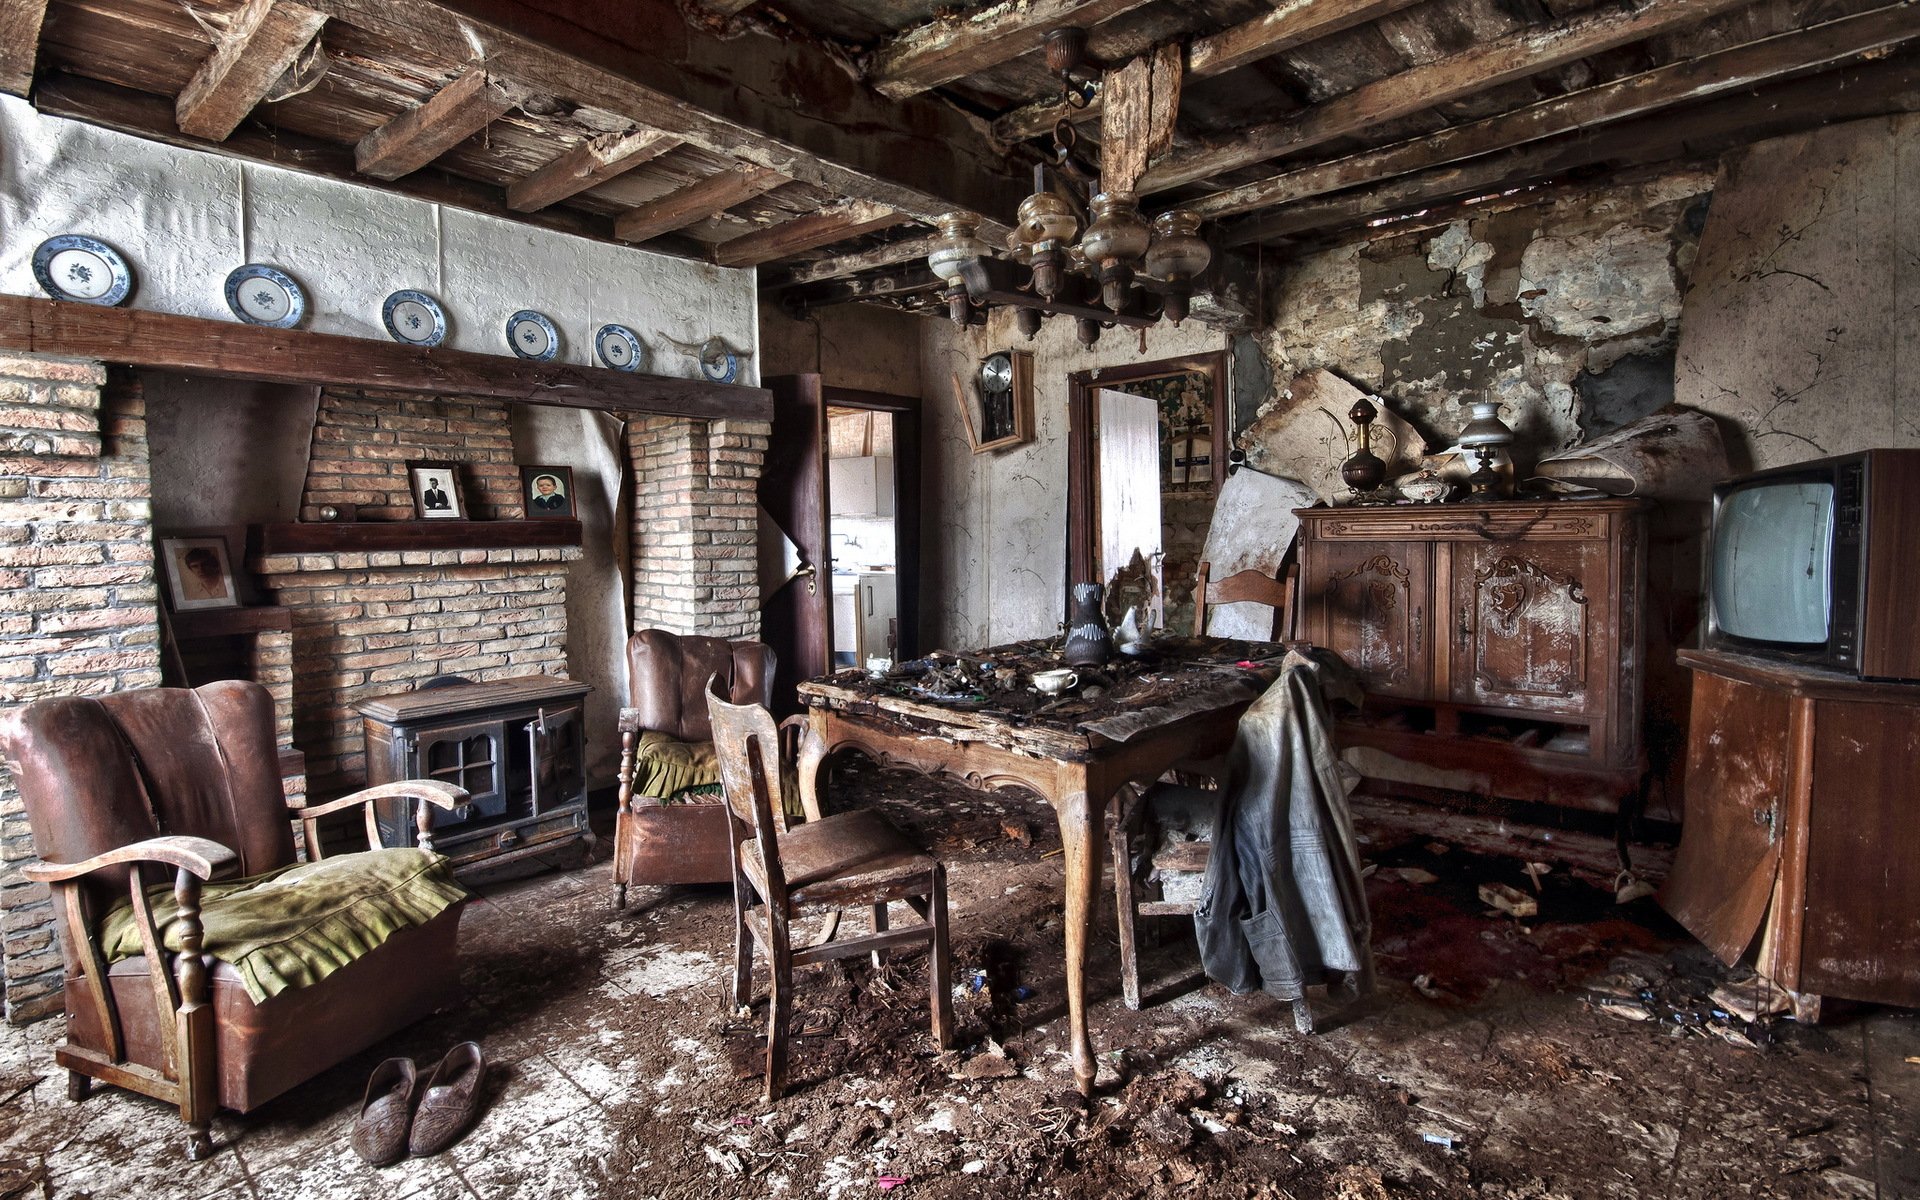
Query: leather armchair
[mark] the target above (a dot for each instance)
(657, 843)
(188, 780)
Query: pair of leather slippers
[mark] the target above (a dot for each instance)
(391, 1125)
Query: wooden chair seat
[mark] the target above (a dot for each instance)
(847, 858)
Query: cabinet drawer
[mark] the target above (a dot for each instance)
(1506, 524)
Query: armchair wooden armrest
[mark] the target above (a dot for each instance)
(427, 791)
(630, 721)
(199, 857)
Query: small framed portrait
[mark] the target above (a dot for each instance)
(199, 574)
(436, 491)
(548, 492)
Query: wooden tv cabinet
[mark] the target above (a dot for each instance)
(1500, 643)
(1800, 828)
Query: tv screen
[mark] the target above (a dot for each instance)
(1772, 563)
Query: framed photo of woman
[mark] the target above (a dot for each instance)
(548, 493)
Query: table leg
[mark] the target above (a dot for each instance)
(1081, 853)
(810, 761)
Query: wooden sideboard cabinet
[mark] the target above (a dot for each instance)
(1799, 828)
(517, 745)
(1500, 643)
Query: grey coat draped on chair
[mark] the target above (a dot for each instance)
(1283, 906)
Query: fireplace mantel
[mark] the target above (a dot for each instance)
(359, 537)
(141, 338)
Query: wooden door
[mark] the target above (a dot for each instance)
(796, 616)
(1370, 602)
(1528, 625)
(1128, 480)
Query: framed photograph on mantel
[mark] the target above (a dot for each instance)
(436, 491)
(199, 574)
(547, 493)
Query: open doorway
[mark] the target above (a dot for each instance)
(863, 537)
(1143, 476)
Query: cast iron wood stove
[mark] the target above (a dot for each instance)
(517, 745)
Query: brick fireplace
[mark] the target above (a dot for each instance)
(79, 615)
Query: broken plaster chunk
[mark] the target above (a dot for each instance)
(1509, 900)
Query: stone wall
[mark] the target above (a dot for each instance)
(77, 597)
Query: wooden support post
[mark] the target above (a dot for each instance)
(588, 165)
(262, 40)
(425, 132)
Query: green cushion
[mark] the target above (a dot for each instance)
(667, 767)
(293, 927)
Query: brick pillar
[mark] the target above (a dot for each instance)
(695, 560)
(77, 597)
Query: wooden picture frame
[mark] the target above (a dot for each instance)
(969, 399)
(547, 493)
(436, 490)
(199, 573)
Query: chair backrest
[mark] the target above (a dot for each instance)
(98, 773)
(747, 744)
(1256, 587)
(668, 676)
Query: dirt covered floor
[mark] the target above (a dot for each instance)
(1580, 1052)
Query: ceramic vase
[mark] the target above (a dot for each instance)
(1087, 641)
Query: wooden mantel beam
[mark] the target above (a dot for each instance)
(261, 41)
(19, 43)
(1517, 55)
(1288, 24)
(199, 346)
(957, 45)
(695, 202)
(587, 165)
(837, 223)
(445, 119)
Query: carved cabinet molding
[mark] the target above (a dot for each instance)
(1499, 643)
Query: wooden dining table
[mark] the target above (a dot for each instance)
(1127, 723)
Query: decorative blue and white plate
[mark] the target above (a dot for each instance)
(73, 267)
(262, 295)
(721, 364)
(532, 336)
(414, 318)
(619, 348)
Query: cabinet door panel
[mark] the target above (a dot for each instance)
(468, 756)
(1526, 625)
(1369, 602)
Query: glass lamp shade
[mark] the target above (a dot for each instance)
(1118, 234)
(1045, 217)
(958, 246)
(1178, 252)
(1486, 428)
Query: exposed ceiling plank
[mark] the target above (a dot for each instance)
(450, 116)
(836, 224)
(782, 105)
(589, 164)
(1143, 99)
(19, 43)
(909, 280)
(1290, 23)
(951, 47)
(1518, 55)
(678, 209)
(840, 265)
(1847, 94)
(1682, 82)
(261, 41)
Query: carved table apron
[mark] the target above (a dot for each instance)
(1079, 773)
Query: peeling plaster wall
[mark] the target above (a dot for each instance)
(848, 345)
(183, 219)
(1520, 306)
(1803, 326)
(994, 549)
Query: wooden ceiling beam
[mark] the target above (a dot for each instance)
(1137, 124)
(837, 223)
(445, 119)
(261, 41)
(1523, 53)
(1637, 95)
(695, 202)
(587, 165)
(20, 22)
(839, 266)
(1290, 23)
(783, 105)
(1853, 93)
(958, 45)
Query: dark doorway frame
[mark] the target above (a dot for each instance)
(905, 411)
(1083, 489)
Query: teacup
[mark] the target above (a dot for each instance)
(1053, 682)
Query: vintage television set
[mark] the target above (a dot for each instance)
(1818, 563)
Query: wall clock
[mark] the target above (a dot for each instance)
(998, 409)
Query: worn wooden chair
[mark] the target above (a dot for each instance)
(1147, 811)
(846, 859)
(189, 780)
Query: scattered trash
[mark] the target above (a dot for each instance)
(977, 981)
(1628, 887)
(1509, 900)
(1752, 999)
(1424, 985)
(726, 1160)
(1443, 1140)
(887, 1183)
(743, 1120)
(991, 1063)
(1438, 848)
(1914, 1059)
(1055, 851)
(1413, 875)
(1017, 831)
(1022, 993)
(1534, 870)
